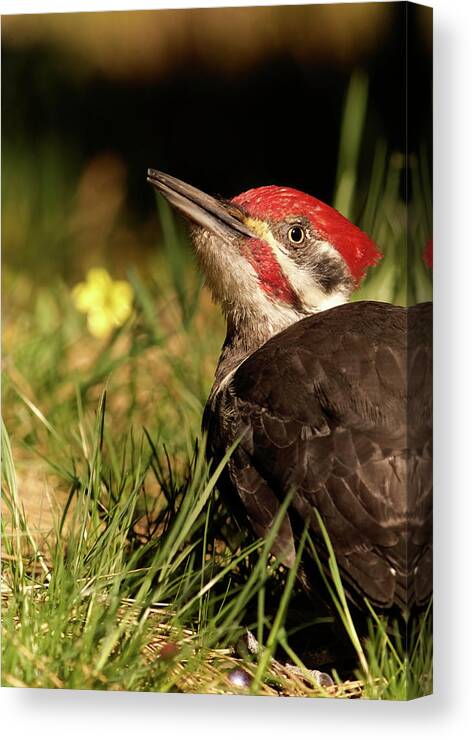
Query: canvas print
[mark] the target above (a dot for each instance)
(217, 351)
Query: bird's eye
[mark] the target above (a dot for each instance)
(296, 234)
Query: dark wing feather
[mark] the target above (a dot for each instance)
(337, 408)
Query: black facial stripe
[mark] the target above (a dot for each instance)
(328, 270)
(331, 274)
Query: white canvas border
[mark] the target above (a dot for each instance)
(50, 714)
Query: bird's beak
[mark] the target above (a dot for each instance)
(216, 216)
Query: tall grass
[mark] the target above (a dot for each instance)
(122, 568)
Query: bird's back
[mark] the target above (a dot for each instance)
(336, 411)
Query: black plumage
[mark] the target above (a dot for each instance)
(336, 409)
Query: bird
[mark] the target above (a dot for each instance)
(320, 399)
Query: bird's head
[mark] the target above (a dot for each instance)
(271, 255)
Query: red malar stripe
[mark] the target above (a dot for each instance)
(272, 279)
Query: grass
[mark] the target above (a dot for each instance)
(122, 569)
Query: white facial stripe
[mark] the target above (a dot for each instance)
(311, 294)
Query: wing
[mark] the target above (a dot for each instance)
(337, 409)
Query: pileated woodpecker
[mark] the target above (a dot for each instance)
(331, 400)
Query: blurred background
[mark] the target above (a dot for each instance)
(99, 284)
(226, 99)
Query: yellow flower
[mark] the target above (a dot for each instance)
(106, 302)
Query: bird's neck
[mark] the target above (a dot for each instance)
(245, 334)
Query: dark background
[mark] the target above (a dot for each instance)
(226, 99)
